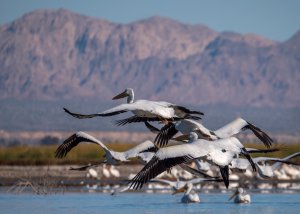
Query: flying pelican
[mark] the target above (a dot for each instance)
(264, 170)
(111, 157)
(219, 152)
(240, 196)
(205, 167)
(143, 110)
(188, 125)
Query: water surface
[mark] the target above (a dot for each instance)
(144, 203)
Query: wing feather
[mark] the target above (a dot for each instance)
(73, 141)
(155, 167)
(165, 134)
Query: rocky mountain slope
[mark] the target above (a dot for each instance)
(57, 54)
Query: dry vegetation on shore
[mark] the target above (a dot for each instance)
(45, 154)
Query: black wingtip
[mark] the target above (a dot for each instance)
(247, 155)
(225, 175)
(266, 139)
(166, 133)
(153, 129)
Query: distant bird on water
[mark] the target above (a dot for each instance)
(240, 196)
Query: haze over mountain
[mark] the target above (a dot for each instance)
(57, 54)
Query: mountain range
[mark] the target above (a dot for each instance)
(58, 55)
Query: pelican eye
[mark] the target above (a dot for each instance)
(224, 150)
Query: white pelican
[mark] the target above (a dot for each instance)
(105, 171)
(264, 170)
(111, 157)
(219, 152)
(240, 196)
(114, 172)
(189, 196)
(185, 186)
(187, 125)
(179, 184)
(143, 110)
(204, 168)
(93, 173)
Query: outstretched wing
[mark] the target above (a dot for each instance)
(154, 167)
(165, 134)
(146, 146)
(136, 119)
(152, 128)
(73, 141)
(165, 159)
(196, 172)
(260, 134)
(240, 124)
(181, 109)
(253, 150)
(84, 116)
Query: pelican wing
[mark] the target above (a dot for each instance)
(73, 141)
(155, 167)
(253, 150)
(231, 128)
(84, 116)
(280, 160)
(145, 157)
(146, 146)
(240, 124)
(85, 167)
(165, 159)
(276, 165)
(168, 157)
(137, 119)
(195, 172)
(152, 128)
(164, 181)
(260, 134)
(200, 180)
(186, 126)
(239, 163)
(165, 134)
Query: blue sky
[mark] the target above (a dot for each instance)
(274, 19)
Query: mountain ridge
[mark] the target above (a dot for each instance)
(58, 54)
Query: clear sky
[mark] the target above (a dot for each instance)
(274, 19)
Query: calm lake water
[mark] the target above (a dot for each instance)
(144, 203)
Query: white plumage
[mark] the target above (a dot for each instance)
(144, 110)
(188, 125)
(240, 197)
(264, 170)
(220, 152)
(111, 157)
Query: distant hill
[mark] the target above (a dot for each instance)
(58, 55)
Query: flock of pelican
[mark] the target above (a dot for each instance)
(196, 144)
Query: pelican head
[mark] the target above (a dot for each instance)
(193, 136)
(184, 138)
(238, 191)
(187, 137)
(182, 189)
(127, 93)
